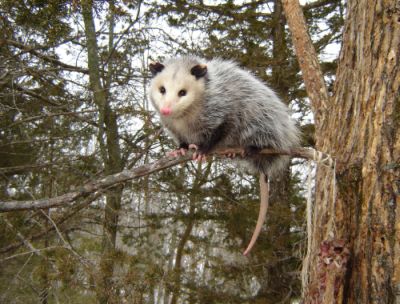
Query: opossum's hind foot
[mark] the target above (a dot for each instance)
(198, 155)
(227, 153)
(230, 155)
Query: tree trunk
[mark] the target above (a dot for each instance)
(110, 150)
(365, 109)
(180, 251)
(360, 128)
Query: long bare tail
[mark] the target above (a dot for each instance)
(264, 194)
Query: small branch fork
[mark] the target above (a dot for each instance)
(112, 180)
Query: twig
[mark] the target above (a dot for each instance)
(66, 244)
(22, 238)
(28, 252)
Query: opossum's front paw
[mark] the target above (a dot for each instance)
(181, 151)
(177, 152)
(198, 155)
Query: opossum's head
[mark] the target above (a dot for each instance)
(177, 87)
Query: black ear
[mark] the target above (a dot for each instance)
(156, 67)
(199, 70)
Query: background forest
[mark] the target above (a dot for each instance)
(74, 109)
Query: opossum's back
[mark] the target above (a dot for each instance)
(258, 114)
(226, 76)
(227, 80)
(258, 117)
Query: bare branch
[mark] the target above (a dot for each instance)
(316, 4)
(126, 175)
(26, 168)
(46, 58)
(47, 115)
(58, 221)
(33, 94)
(307, 58)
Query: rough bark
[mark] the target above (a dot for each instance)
(360, 128)
(365, 109)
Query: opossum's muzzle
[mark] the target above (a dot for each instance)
(166, 111)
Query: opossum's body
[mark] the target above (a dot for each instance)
(215, 104)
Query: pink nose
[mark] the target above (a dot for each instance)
(165, 111)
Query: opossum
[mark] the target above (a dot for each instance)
(214, 104)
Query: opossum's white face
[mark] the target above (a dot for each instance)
(175, 90)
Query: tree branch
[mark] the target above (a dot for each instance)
(47, 115)
(58, 221)
(33, 94)
(316, 4)
(307, 58)
(46, 58)
(126, 175)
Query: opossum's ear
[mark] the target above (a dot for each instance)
(156, 67)
(199, 70)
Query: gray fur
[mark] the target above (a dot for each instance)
(255, 115)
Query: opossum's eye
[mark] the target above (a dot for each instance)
(162, 90)
(182, 93)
